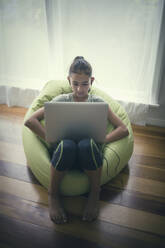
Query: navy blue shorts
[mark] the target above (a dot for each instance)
(84, 155)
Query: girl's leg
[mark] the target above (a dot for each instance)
(56, 210)
(92, 207)
(90, 159)
(63, 159)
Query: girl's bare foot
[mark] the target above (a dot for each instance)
(56, 211)
(92, 208)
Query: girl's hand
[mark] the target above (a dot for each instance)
(120, 130)
(106, 140)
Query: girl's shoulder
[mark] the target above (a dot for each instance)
(62, 98)
(95, 98)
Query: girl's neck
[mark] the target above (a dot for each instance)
(76, 99)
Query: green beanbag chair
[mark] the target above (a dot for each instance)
(75, 182)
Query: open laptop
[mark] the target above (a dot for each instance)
(75, 120)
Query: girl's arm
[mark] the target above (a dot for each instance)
(33, 123)
(120, 130)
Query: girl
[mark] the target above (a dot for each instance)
(85, 155)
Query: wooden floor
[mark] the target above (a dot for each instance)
(132, 205)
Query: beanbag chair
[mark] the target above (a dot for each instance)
(75, 182)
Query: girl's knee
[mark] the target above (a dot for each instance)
(64, 156)
(90, 155)
(84, 145)
(69, 145)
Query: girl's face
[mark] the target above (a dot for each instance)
(80, 84)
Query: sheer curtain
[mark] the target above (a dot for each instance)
(24, 51)
(119, 38)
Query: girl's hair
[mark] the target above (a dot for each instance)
(80, 65)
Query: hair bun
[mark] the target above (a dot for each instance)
(80, 65)
(78, 57)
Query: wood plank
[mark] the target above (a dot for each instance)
(149, 140)
(153, 135)
(18, 234)
(10, 131)
(116, 196)
(143, 185)
(149, 130)
(147, 161)
(12, 118)
(16, 171)
(149, 145)
(133, 199)
(12, 153)
(28, 191)
(12, 111)
(115, 214)
(101, 232)
(152, 150)
(144, 171)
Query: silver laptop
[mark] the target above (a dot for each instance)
(76, 121)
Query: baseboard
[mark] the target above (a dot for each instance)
(156, 122)
(14, 96)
